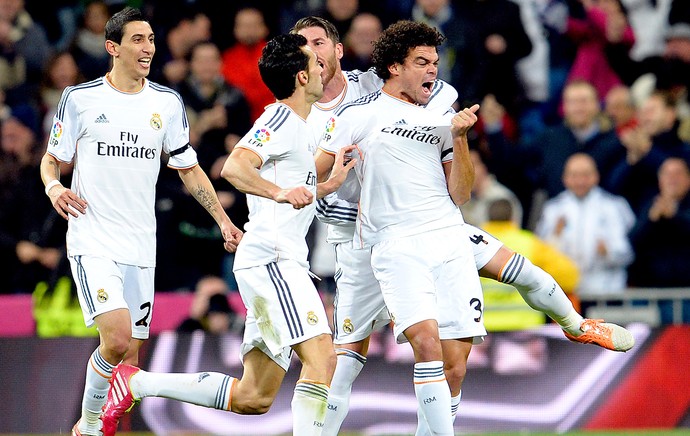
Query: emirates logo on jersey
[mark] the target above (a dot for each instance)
(262, 135)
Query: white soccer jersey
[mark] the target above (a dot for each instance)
(282, 140)
(401, 147)
(116, 139)
(339, 209)
(357, 84)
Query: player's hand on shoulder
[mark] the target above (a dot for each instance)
(463, 121)
(298, 197)
(66, 202)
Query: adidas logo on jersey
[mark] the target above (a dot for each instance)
(102, 119)
(400, 122)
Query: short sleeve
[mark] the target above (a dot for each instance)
(176, 141)
(343, 130)
(273, 134)
(62, 140)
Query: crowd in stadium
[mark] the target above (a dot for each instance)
(584, 124)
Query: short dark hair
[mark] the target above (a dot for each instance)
(327, 26)
(115, 27)
(281, 59)
(398, 39)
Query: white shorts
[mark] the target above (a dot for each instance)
(431, 276)
(484, 245)
(358, 307)
(104, 285)
(283, 308)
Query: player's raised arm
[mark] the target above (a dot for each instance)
(460, 175)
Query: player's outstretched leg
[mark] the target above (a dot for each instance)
(541, 291)
(130, 384)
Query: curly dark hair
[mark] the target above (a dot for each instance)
(398, 39)
(281, 59)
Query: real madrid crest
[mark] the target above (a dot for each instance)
(347, 326)
(312, 319)
(102, 296)
(156, 122)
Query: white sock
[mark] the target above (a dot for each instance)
(433, 396)
(209, 389)
(541, 292)
(98, 372)
(423, 426)
(347, 369)
(309, 405)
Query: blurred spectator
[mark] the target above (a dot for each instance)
(526, 167)
(505, 309)
(605, 23)
(533, 69)
(661, 236)
(439, 14)
(649, 20)
(620, 107)
(171, 62)
(591, 226)
(490, 41)
(88, 44)
(358, 47)
(12, 63)
(669, 72)
(210, 310)
(61, 71)
(24, 38)
(647, 146)
(553, 16)
(581, 131)
(485, 191)
(31, 233)
(240, 61)
(341, 13)
(218, 112)
(58, 18)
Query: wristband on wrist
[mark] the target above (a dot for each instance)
(51, 184)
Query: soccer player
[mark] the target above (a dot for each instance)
(359, 306)
(273, 164)
(115, 129)
(414, 172)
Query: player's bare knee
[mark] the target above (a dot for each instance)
(455, 374)
(427, 348)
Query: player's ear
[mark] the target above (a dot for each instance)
(339, 51)
(302, 77)
(112, 48)
(394, 69)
